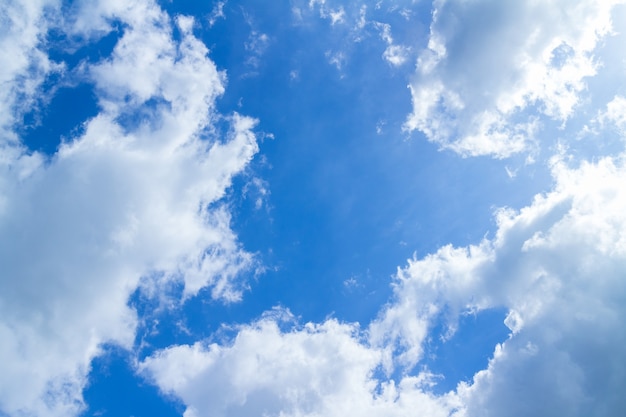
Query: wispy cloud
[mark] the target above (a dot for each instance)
(217, 13)
(396, 55)
(335, 15)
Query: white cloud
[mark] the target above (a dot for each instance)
(133, 196)
(358, 28)
(615, 114)
(492, 69)
(338, 59)
(335, 15)
(396, 55)
(257, 45)
(217, 13)
(557, 266)
(317, 370)
(258, 190)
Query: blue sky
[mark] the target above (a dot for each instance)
(306, 208)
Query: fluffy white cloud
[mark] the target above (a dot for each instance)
(134, 196)
(492, 70)
(317, 370)
(557, 266)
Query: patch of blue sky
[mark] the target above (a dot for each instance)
(352, 197)
(116, 390)
(45, 128)
(341, 192)
(457, 357)
(49, 122)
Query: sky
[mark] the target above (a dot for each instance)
(312, 208)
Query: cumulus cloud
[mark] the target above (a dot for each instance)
(315, 370)
(492, 70)
(136, 195)
(557, 267)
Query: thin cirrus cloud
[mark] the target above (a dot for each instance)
(130, 201)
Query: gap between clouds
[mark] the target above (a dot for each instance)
(557, 267)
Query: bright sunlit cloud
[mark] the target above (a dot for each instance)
(484, 88)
